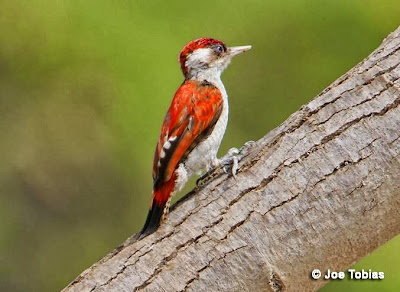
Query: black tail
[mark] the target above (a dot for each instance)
(153, 219)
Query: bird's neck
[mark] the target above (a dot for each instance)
(212, 76)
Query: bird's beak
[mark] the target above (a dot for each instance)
(233, 51)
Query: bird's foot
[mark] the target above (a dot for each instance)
(230, 161)
(234, 155)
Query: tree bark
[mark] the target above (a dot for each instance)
(320, 191)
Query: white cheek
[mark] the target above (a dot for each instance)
(198, 58)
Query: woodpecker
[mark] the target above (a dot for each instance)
(193, 126)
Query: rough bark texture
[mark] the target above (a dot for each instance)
(320, 191)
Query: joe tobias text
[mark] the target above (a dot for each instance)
(355, 275)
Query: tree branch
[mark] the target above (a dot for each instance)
(320, 191)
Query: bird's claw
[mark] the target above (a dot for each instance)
(229, 161)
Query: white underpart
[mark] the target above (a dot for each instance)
(204, 155)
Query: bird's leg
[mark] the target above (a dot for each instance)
(231, 158)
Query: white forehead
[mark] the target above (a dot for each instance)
(199, 56)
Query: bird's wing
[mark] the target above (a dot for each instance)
(194, 111)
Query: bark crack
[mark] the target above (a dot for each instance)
(209, 264)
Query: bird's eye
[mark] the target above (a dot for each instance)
(219, 49)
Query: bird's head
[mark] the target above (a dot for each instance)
(207, 57)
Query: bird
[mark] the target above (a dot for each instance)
(194, 124)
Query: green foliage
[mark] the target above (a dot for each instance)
(85, 86)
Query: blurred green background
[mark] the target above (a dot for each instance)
(84, 86)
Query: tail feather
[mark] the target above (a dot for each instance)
(160, 201)
(153, 218)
